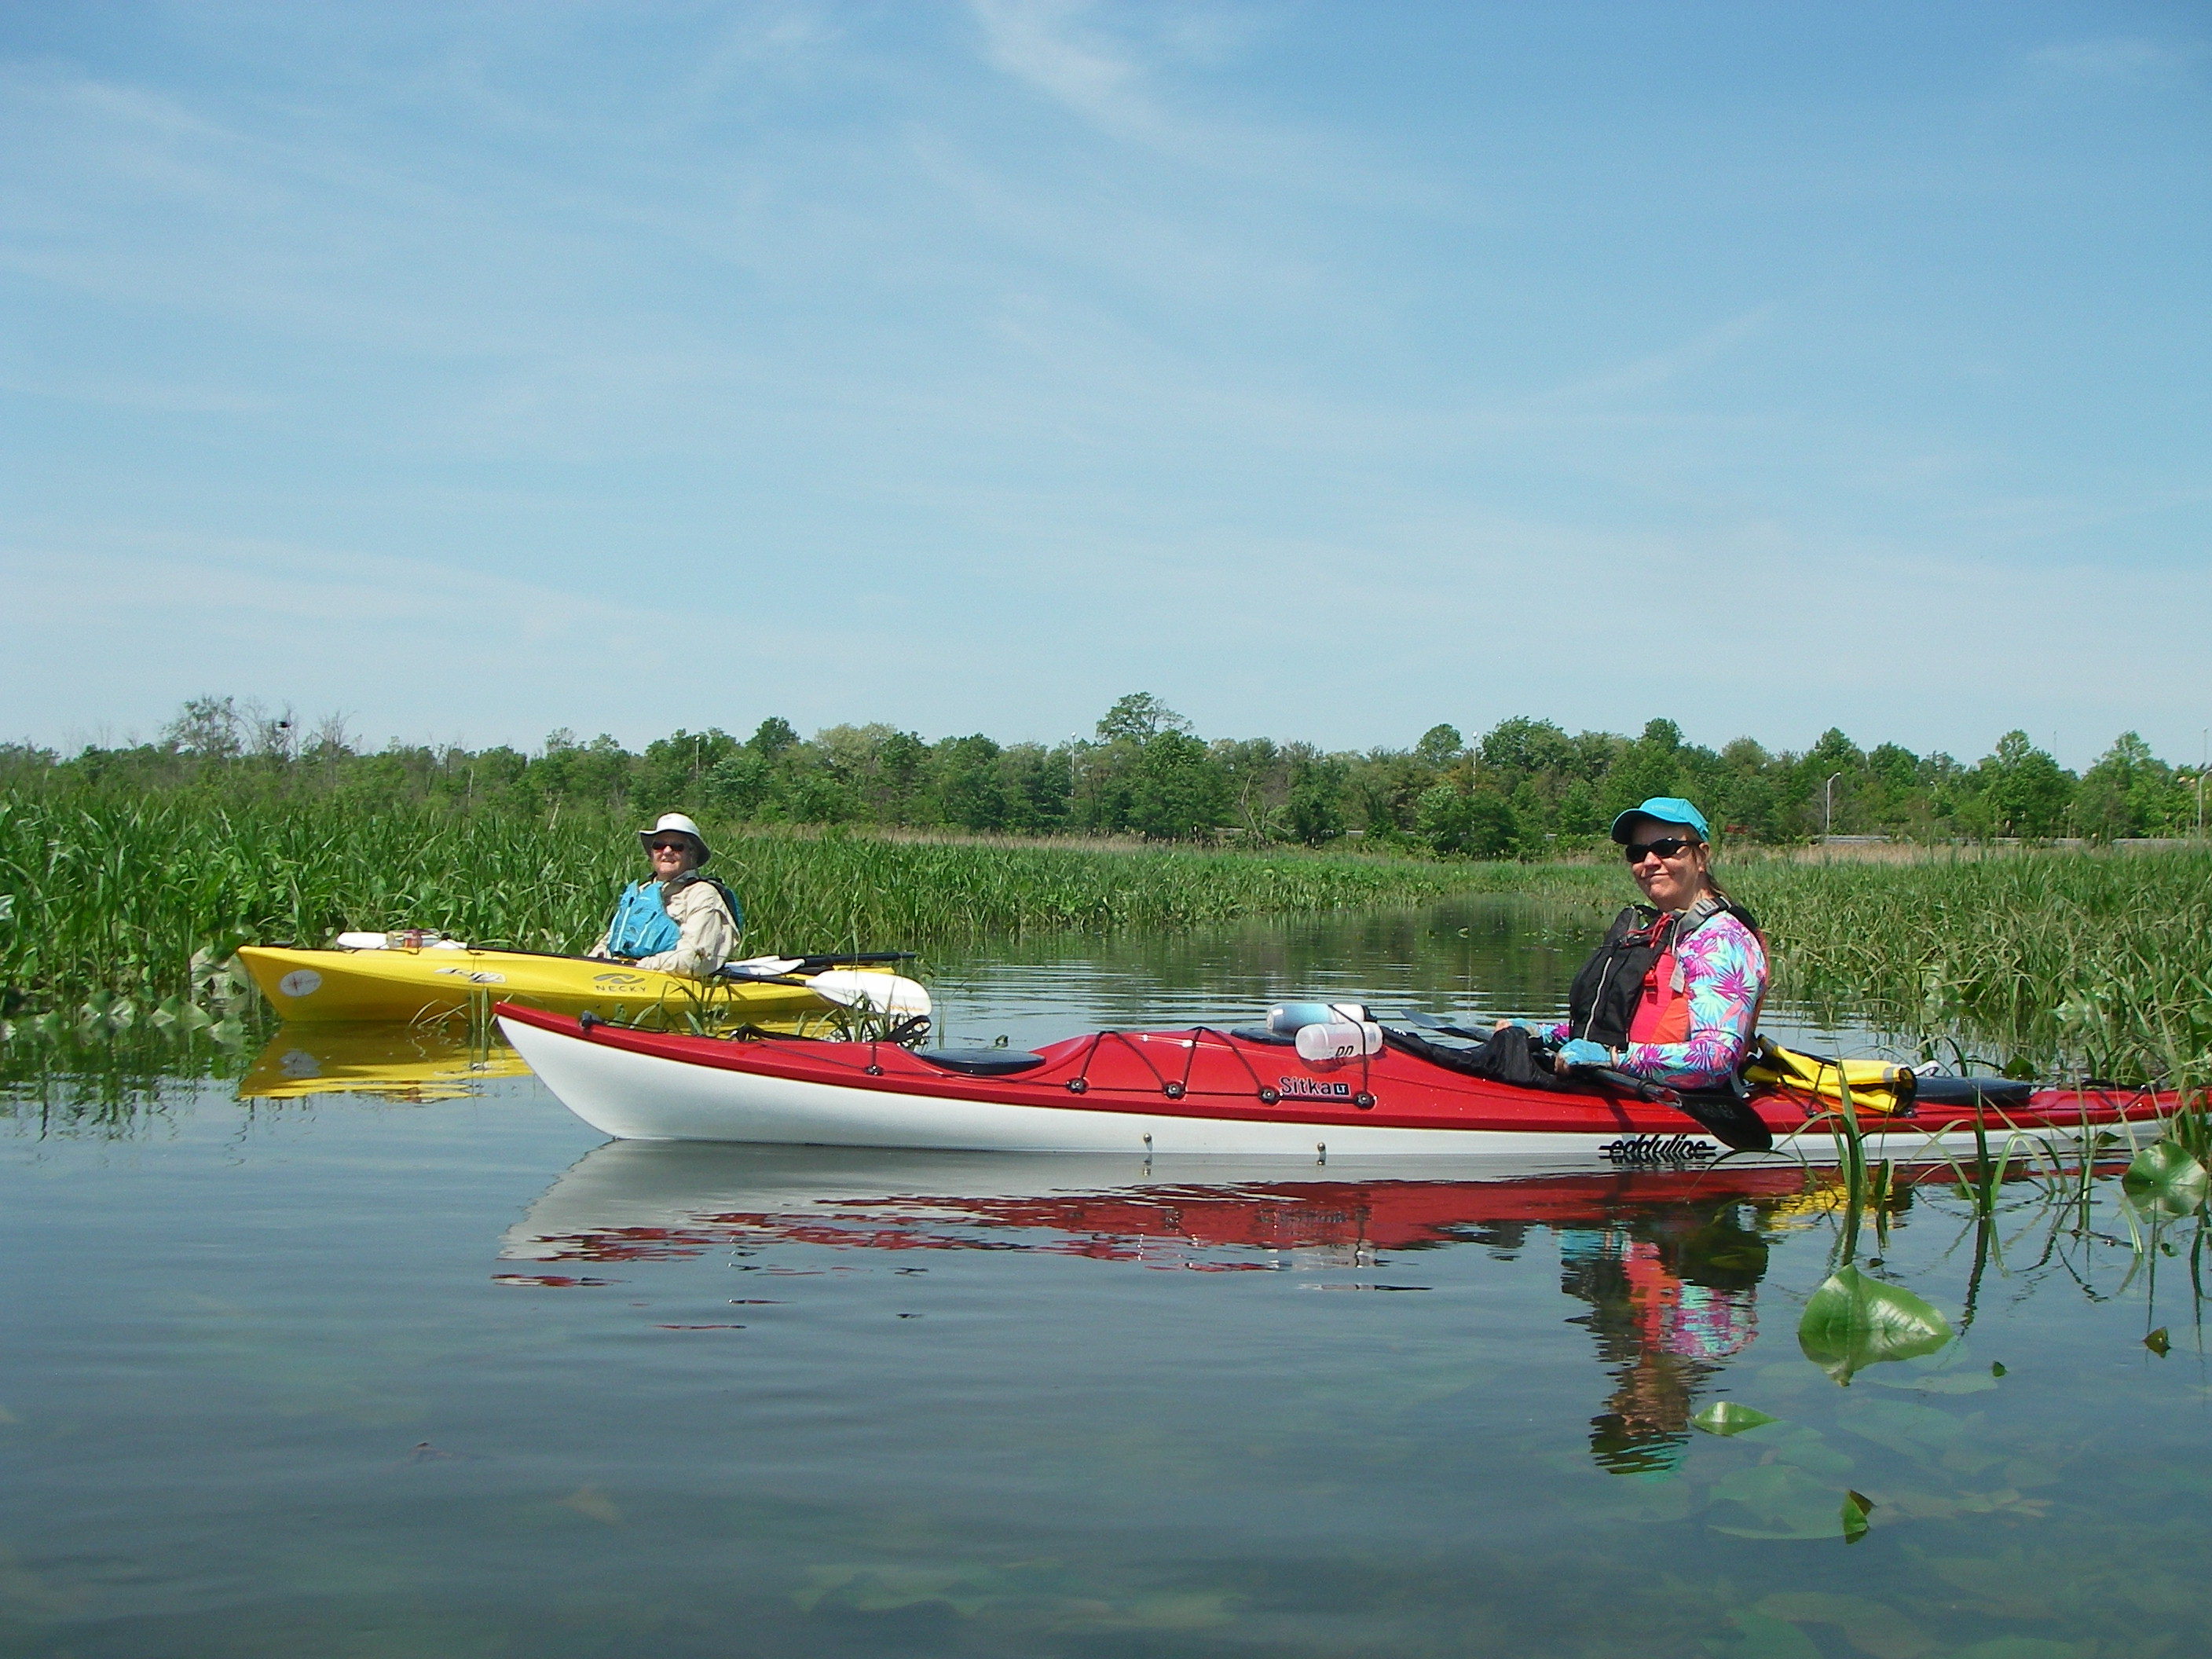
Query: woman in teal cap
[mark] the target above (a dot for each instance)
(1672, 994)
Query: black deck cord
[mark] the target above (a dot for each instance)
(1266, 1096)
(1081, 1081)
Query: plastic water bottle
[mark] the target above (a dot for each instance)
(1288, 1018)
(1339, 1039)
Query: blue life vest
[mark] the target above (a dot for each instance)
(641, 928)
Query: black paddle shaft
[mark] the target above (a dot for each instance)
(1730, 1121)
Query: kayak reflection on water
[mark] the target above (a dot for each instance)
(413, 1063)
(1672, 1295)
(1669, 1262)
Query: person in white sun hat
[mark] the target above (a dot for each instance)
(675, 921)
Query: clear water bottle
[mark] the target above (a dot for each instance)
(1339, 1039)
(1288, 1018)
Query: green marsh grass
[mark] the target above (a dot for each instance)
(2087, 961)
(117, 897)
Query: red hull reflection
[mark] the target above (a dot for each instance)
(1351, 1220)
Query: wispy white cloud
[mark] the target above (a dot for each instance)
(2118, 58)
(1115, 81)
(1668, 365)
(1044, 43)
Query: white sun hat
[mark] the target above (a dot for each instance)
(678, 824)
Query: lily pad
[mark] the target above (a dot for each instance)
(1941, 1382)
(1904, 1425)
(1853, 1322)
(1808, 1450)
(1726, 1417)
(1762, 1636)
(1780, 1502)
(2164, 1178)
(1872, 1627)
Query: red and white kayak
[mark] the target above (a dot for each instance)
(1207, 1092)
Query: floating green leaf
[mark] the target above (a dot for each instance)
(1857, 1506)
(1944, 1382)
(2165, 1178)
(2158, 1343)
(1726, 1417)
(1853, 1322)
(1781, 1502)
(1996, 1369)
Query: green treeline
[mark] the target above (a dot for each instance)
(1524, 789)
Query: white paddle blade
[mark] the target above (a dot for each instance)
(883, 994)
(762, 967)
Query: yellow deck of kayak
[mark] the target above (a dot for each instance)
(316, 986)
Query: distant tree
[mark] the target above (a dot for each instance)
(772, 737)
(1471, 823)
(674, 768)
(2127, 792)
(740, 784)
(2026, 792)
(1440, 745)
(974, 795)
(1652, 765)
(1522, 747)
(210, 728)
(1313, 810)
(1138, 718)
(1176, 792)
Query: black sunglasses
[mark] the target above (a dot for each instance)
(671, 846)
(1666, 847)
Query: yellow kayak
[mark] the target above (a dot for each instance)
(438, 980)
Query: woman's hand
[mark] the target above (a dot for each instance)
(1582, 1052)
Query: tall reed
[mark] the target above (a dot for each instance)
(119, 895)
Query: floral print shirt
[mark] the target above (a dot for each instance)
(1723, 969)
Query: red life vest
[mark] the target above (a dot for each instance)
(1662, 1012)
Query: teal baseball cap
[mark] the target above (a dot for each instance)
(1668, 809)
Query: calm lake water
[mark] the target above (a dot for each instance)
(438, 1372)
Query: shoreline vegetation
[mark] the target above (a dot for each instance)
(127, 878)
(1525, 789)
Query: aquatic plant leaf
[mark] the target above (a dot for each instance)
(1904, 1425)
(1856, 1508)
(1872, 1627)
(1853, 1322)
(1726, 1417)
(1942, 1383)
(1766, 1636)
(1807, 1451)
(1996, 1369)
(2158, 1343)
(1781, 1501)
(2165, 1178)
(589, 1501)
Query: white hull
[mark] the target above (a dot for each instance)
(637, 1096)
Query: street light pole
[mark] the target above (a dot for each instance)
(1828, 818)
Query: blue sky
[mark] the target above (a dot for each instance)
(1329, 370)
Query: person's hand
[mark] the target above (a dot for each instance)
(1582, 1052)
(1503, 1024)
